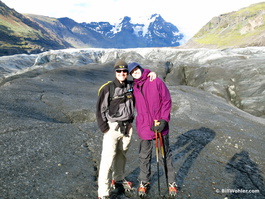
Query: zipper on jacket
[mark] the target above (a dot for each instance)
(149, 115)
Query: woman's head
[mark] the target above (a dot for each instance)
(135, 70)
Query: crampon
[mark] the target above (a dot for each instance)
(143, 189)
(172, 189)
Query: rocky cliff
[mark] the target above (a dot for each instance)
(245, 27)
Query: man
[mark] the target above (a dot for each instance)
(115, 114)
(152, 103)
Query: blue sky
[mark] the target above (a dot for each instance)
(188, 15)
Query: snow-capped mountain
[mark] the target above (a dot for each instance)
(152, 31)
(22, 33)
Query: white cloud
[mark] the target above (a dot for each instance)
(189, 15)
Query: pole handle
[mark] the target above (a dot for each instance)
(156, 123)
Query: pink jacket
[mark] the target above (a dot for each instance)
(152, 102)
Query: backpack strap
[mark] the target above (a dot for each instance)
(131, 83)
(111, 89)
(103, 86)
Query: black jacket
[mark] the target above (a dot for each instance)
(118, 108)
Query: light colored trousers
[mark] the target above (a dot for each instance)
(114, 148)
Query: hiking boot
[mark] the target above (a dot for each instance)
(172, 189)
(127, 185)
(143, 189)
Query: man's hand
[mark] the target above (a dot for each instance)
(152, 76)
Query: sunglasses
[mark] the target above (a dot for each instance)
(119, 71)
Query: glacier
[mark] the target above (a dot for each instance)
(236, 75)
(17, 64)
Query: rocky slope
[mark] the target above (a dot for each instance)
(50, 143)
(242, 28)
(73, 33)
(20, 34)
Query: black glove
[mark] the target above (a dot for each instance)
(160, 127)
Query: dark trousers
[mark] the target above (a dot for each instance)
(145, 156)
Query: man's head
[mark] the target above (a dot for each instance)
(121, 70)
(135, 70)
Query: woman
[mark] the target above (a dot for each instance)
(152, 102)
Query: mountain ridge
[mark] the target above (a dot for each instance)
(242, 28)
(21, 34)
(30, 33)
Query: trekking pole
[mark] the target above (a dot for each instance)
(162, 149)
(163, 156)
(157, 157)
